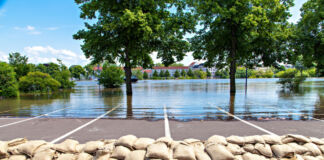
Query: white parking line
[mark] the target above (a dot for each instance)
(9, 124)
(246, 122)
(167, 132)
(84, 125)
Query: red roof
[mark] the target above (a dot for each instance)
(192, 64)
(97, 68)
(147, 71)
(180, 67)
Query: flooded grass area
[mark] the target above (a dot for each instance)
(184, 100)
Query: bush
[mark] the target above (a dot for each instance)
(311, 72)
(138, 73)
(77, 71)
(176, 74)
(38, 82)
(222, 74)
(145, 75)
(8, 82)
(199, 74)
(290, 78)
(111, 76)
(261, 74)
(241, 72)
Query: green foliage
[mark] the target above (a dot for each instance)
(190, 73)
(222, 74)
(155, 74)
(111, 76)
(290, 78)
(161, 74)
(183, 73)
(208, 74)
(138, 73)
(176, 65)
(199, 74)
(176, 74)
(8, 82)
(20, 65)
(241, 72)
(145, 75)
(311, 72)
(77, 71)
(308, 39)
(167, 74)
(89, 71)
(262, 74)
(38, 82)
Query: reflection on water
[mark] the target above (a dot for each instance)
(184, 99)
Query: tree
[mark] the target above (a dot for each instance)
(208, 73)
(190, 73)
(20, 65)
(183, 73)
(161, 74)
(77, 71)
(129, 31)
(155, 74)
(199, 74)
(89, 71)
(145, 75)
(8, 82)
(290, 78)
(38, 82)
(176, 74)
(236, 30)
(308, 39)
(167, 74)
(176, 65)
(138, 73)
(111, 76)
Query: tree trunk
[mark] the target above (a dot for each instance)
(233, 60)
(128, 74)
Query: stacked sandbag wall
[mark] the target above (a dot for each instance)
(259, 147)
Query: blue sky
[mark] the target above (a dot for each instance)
(43, 29)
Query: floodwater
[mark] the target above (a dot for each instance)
(184, 100)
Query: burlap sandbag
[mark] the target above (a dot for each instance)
(250, 148)
(282, 150)
(297, 138)
(235, 140)
(30, 147)
(103, 156)
(44, 155)
(93, 146)
(316, 141)
(167, 140)
(17, 141)
(263, 149)
(3, 148)
(158, 150)
(250, 156)
(310, 158)
(68, 146)
(299, 149)
(17, 157)
(84, 156)
(184, 151)
(235, 149)
(321, 147)
(216, 139)
(13, 150)
(219, 152)
(201, 154)
(271, 139)
(315, 151)
(238, 157)
(253, 139)
(107, 149)
(120, 152)
(67, 156)
(142, 143)
(136, 155)
(126, 141)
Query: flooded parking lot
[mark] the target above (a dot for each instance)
(184, 100)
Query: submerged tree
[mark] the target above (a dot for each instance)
(235, 30)
(129, 31)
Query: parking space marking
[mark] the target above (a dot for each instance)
(167, 132)
(84, 125)
(246, 122)
(28, 119)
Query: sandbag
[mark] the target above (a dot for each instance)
(195, 143)
(44, 155)
(282, 150)
(216, 140)
(13, 150)
(316, 141)
(107, 148)
(201, 155)
(67, 156)
(309, 158)
(120, 152)
(17, 157)
(68, 146)
(250, 148)
(93, 146)
(158, 150)
(136, 155)
(17, 141)
(238, 157)
(167, 140)
(297, 138)
(30, 147)
(103, 157)
(263, 149)
(219, 152)
(84, 156)
(315, 151)
(142, 143)
(271, 139)
(184, 152)
(321, 147)
(191, 140)
(126, 141)
(235, 149)
(235, 140)
(254, 139)
(250, 156)
(298, 148)
(3, 148)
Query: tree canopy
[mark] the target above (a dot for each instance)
(129, 31)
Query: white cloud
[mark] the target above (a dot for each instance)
(29, 29)
(3, 57)
(45, 54)
(186, 60)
